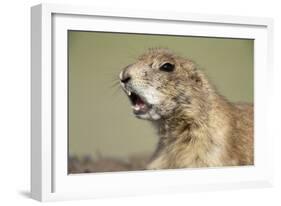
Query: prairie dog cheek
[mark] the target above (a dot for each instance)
(166, 107)
(152, 95)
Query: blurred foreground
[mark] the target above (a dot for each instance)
(106, 164)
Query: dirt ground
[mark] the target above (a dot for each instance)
(106, 164)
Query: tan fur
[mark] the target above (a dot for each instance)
(197, 127)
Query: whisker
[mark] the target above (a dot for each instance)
(114, 84)
(116, 90)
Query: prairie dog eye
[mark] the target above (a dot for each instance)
(167, 67)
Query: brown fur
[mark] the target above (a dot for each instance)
(197, 126)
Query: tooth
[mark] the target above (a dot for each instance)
(136, 107)
(129, 93)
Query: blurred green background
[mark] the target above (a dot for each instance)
(100, 116)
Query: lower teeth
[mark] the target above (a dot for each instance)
(138, 107)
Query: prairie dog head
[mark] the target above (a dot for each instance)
(160, 82)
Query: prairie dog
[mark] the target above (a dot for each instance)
(197, 127)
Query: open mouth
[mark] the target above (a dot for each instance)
(138, 104)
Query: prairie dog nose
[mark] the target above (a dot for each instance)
(125, 76)
(125, 80)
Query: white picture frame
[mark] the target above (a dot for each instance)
(49, 177)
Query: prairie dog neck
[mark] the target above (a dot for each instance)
(188, 142)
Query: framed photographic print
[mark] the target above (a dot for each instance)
(137, 102)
